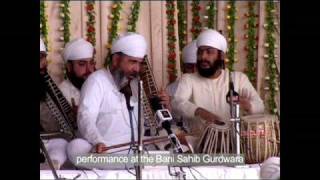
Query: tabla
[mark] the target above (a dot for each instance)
(260, 137)
(216, 139)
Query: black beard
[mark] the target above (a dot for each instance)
(208, 72)
(43, 88)
(77, 82)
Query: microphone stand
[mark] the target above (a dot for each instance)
(178, 149)
(139, 149)
(234, 112)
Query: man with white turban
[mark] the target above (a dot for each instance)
(202, 95)
(78, 56)
(189, 57)
(103, 115)
(56, 147)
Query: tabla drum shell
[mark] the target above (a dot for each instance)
(260, 137)
(216, 139)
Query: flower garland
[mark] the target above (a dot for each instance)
(113, 29)
(133, 18)
(65, 15)
(270, 56)
(182, 26)
(251, 43)
(231, 17)
(44, 23)
(171, 67)
(211, 10)
(196, 24)
(91, 31)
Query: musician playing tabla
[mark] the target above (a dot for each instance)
(103, 116)
(78, 55)
(56, 147)
(203, 94)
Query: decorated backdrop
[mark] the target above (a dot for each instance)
(251, 28)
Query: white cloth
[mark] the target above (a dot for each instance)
(161, 172)
(103, 116)
(270, 168)
(78, 49)
(212, 38)
(171, 90)
(196, 91)
(42, 46)
(131, 44)
(69, 91)
(57, 150)
(189, 53)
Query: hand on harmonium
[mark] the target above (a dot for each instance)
(100, 148)
(208, 116)
(165, 99)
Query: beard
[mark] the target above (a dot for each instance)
(76, 81)
(208, 72)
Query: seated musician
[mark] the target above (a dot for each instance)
(203, 94)
(56, 147)
(189, 57)
(78, 55)
(103, 116)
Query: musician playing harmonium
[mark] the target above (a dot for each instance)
(56, 147)
(106, 97)
(78, 55)
(201, 96)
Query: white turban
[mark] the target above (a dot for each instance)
(270, 168)
(78, 49)
(131, 44)
(212, 38)
(42, 46)
(189, 53)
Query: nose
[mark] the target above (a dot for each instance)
(203, 55)
(89, 68)
(136, 68)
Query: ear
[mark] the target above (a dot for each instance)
(222, 55)
(115, 60)
(69, 66)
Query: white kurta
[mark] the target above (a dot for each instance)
(196, 91)
(69, 91)
(103, 116)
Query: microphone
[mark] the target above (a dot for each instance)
(165, 117)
